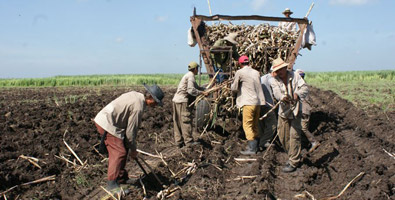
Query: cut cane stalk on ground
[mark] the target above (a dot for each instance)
(48, 178)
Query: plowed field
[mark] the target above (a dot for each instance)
(38, 123)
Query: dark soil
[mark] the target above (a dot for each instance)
(34, 122)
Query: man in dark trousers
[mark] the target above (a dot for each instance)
(120, 120)
(187, 90)
(306, 111)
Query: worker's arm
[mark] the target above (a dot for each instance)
(301, 89)
(220, 45)
(235, 54)
(191, 86)
(276, 87)
(134, 122)
(235, 85)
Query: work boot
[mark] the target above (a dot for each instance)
(112, 185)
(314, 145)
(251, 148)
(180, 145)
(267, 145)
(288, 168)
(115, 189)
(193, 143)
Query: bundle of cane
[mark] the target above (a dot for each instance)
(221, 86)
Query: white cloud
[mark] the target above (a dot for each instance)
(161, 18)
(258, 4)
(350, 2)
(119, 40)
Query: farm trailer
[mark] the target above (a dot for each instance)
(212, 107)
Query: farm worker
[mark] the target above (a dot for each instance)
(121, 119)
(267, 127)
(187, 91)
(250, 97)
(289, 87)
(222, 53)
(287, 26)
(306, 111)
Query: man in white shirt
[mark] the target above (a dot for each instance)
(250, 97)
(268, 126)
(287, 26)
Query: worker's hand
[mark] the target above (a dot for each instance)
(286, 99)
(133, 154)
(296, 97)
(205, 93)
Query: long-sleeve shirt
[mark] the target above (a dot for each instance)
(222, 59)
(306, 104)
(186, 87)
(287, 26)
(247, 84)
(122, 117)
(295, 85)
(267, 89)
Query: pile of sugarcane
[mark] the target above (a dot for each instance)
(224, 101)
(262, 43)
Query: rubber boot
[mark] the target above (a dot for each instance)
(251, 148)
(112, 185)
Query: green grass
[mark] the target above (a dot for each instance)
(365, 89)
(96, 80)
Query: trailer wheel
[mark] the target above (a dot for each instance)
(202, 117)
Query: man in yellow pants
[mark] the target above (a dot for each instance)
(250, 97)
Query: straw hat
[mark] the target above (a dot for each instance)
(278, 64)
(231, 38)
(287, 10)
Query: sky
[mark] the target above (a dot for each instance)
(45, 38)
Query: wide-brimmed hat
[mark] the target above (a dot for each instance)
(231, 38)
(278, 64)
(156, 93)
(193, 65)
(287, 10)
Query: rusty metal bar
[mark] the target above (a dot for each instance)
(297, 46)
(250, 17)
(206, 55)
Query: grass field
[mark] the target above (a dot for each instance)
(96, 80)
(364, 88)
